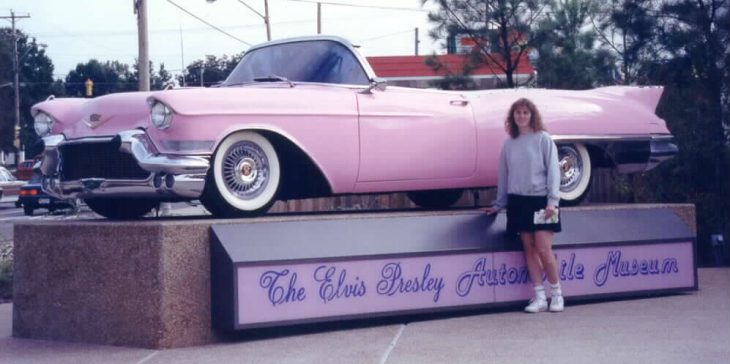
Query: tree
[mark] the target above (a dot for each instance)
(213, 70)
(158, 80)
(695, 41)
(108, 77)
(452, 79)
(627, 29)
(7, 106)
(161, 79)
(500, 29)
(36, 80)
(567, 55)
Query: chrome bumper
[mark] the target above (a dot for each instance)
(657, 149)
(629, 153)
(171, 176)
(661, 149)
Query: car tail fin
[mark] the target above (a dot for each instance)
(647, 96)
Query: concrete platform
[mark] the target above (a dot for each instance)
(681, 328)
(144, 283)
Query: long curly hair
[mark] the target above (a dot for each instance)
(535, 118)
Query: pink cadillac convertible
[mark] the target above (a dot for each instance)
(307, 117)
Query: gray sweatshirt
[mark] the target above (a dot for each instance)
(528, 166)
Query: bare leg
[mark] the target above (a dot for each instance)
(531, 257)
(544, 250)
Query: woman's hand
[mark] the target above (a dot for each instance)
(491, 210)
(550, 210)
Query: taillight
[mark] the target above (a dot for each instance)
(33, 192)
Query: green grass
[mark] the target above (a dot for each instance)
(6, 279)
(6, 270)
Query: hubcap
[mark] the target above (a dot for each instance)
(571, 168)
(245, 170)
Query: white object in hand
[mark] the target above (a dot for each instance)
(539, 217)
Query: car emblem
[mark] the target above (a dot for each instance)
(94, 120)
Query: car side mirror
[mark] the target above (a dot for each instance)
(378, 84)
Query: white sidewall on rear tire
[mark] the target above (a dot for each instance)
(263, 198)
(582, 186)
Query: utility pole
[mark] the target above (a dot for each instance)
(143, 60)
(319, 18)
(264, 16)
(16, 81)
(182, 56)
(417, 41)
(267, 20)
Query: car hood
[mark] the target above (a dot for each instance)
(109, 114)
(104, 115)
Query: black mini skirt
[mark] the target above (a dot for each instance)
(520, 214)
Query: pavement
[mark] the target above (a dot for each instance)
(683, 328)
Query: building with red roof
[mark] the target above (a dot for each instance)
(412, 71)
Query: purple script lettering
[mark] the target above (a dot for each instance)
(329, 290)
(393, 282)
(483, 276)
(624, 268)
(569, 270)
(284, 292)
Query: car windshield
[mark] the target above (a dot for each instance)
(36, 179)
(321, 61)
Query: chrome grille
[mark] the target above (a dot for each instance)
(98, 160)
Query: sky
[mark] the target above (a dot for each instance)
(78, 30)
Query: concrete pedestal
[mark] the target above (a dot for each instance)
(140, 283)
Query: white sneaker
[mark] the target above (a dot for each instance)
(557, 304)
(537, 305)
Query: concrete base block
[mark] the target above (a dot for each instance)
(142, 283)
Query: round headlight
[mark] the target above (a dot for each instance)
(160, 115)
(43, 124)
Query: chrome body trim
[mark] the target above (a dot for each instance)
(185, 173)
(660, 151)
(609, 137)
(629, 153)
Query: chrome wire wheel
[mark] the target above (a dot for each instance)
(246, 170)
(245, 176)
(575, 172)
(571, 168)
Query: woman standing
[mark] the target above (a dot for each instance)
(529, 188)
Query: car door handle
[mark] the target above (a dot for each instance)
(459, 102)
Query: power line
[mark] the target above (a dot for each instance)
(209, 24)
(386, 35)
(74, 34)
(252, 9)
(61, 31)
(16, 79)
(361, 6)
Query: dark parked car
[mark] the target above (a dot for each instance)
(25, 169)
(32, 197)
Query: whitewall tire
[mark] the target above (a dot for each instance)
(575, 172)
(245, 176)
